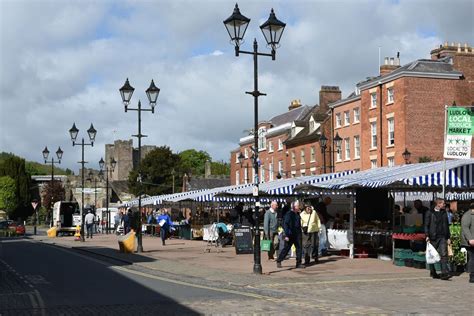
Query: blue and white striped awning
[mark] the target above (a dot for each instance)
(459, 175)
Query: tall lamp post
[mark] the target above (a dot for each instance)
(152, 93)
(92, 133)
(59, 155)
(272, 30)
(323, 144)
(107, 170)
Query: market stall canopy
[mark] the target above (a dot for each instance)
(413, 177)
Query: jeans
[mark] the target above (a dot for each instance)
(323, 239)
(310, 246)
(441, 246)
(293, 240)
(275, 245)
(89, 230)
(163, 235)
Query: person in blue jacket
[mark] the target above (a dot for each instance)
(164, 220)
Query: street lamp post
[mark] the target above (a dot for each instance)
(323, 140)
(92, 133)
(152, 93)
(59, 155)
(107, 170)
(272, 30)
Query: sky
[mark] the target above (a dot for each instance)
(64, 61)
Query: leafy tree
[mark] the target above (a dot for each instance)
(15, 168)
(425, 159)
(193, 161)
(220, 168)
(8, 200)
(156, 173)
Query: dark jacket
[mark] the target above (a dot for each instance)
(292, 224)
(467, 228)
(430, 224)
(323, 214)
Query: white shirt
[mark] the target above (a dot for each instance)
(89, 219)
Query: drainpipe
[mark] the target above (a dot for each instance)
(381, 122)
(331, 151)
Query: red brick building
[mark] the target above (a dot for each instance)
(402, 108)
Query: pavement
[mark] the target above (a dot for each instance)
(336, 285)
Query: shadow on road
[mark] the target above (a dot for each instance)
(67, 283)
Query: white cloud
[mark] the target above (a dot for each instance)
(63, 62)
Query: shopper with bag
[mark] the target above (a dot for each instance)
(165, 223)
(467, 239)
(270, 227)
(438, 235)
(310, 224)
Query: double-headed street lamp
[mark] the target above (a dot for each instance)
(92, 133)
(272, 30)
(406, 156)
(323, 144)
(152, 93)
(112, 165)
(59, 155)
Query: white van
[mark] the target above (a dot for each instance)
(66, 216)
(102, 214)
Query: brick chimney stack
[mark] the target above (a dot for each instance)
(451, 50)
(390, 64)
(328, 94)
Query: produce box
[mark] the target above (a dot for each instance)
(408, 262)
(401, 253)
(437, 266)
(419, 256)
(399, 262)
(410, 229)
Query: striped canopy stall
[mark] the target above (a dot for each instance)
(459, 177)
(203, 195)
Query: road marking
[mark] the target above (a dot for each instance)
(257, 296)
(345, 281)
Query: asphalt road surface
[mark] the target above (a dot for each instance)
(38, 279)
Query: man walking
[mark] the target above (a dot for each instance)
(292, 229)
(467, 239)
(270, 227)
(89, 219)
(437, 233)
(310, 224)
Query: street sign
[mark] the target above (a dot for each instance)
(460, 128)
(89, 190)
(243, 240)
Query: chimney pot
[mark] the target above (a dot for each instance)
(452, 44)
(459, 47)
(446, 44)
(386, 61)
(391, 60)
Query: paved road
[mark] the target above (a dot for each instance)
(46, 280)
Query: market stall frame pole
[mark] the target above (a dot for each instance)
(351, 225)
(272, 30)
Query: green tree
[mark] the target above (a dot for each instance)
(8, 200)
(156, 173)
(425, 159)
(53, 193)
(15, 168)
(220, 168)
(193, 161)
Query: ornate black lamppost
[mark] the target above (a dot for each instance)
(107, 170)
(92, 133)
(323, 144)
(406, 155)
(272, 30)
(59, 155)
(152, 93)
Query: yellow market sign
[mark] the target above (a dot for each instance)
(459, 131)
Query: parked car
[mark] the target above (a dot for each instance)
(18, 227)
(4, 224)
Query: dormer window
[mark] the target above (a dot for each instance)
(293, 131)
(312, 125)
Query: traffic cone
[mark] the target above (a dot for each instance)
(77, 235)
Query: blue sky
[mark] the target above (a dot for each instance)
(64, 61)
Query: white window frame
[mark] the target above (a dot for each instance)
(347, 148)
(357, 147)
(237, 157)
(391, 161)
(270, 146)
(338, 120)
(356, 115)
(312, 154)
(391, 131)
(373, 100)
(312, 126)
(373, 135)
(303, 172)
(262, 141)
(262, 174)
(270, 172)
(293, 158)
(347, 118)
(280, 144)
(339, 154)
(237, 177)
(302, 156)
(390, 95)
(280, 168)
(246, 153)
(373, 163)
(246, 175)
